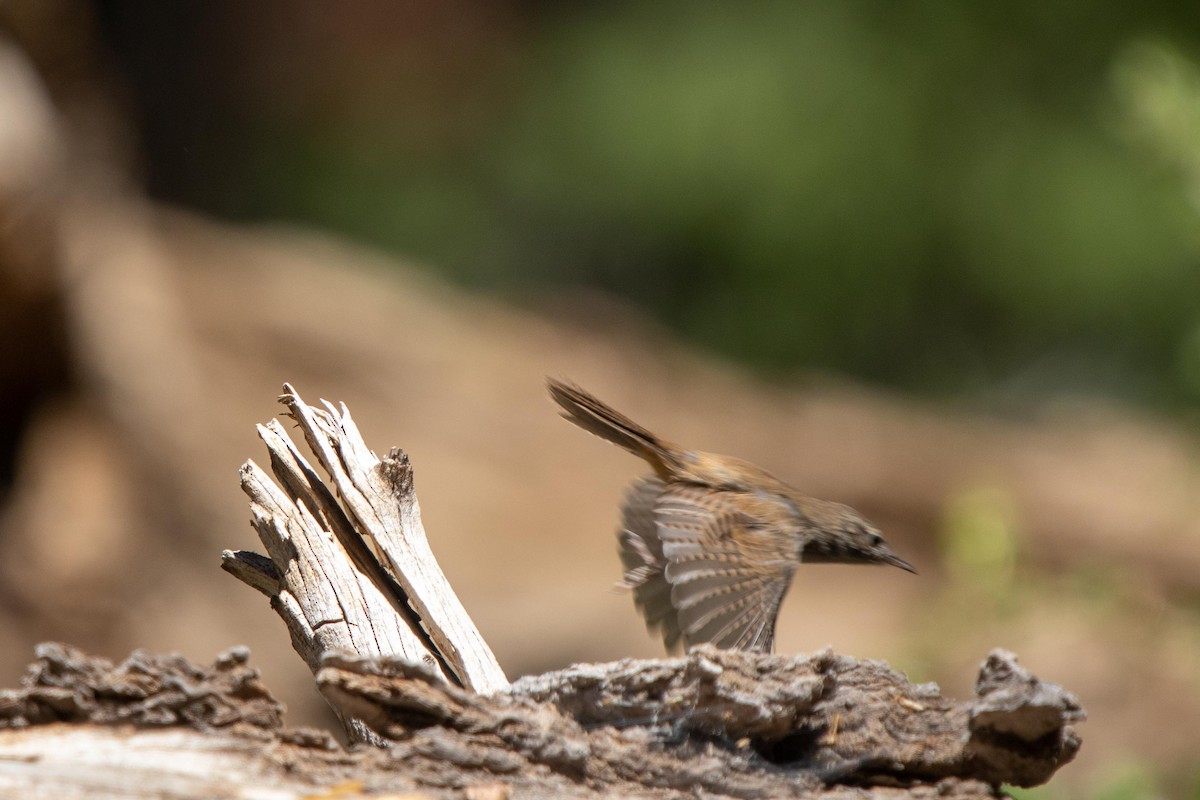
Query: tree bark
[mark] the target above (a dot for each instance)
(717, 723)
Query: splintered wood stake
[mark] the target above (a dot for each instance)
(348, 565)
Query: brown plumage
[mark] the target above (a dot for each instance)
(710, 542)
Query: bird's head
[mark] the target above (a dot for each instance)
(843, 536)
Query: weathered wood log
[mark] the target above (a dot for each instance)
(731, 723)
(718, 723)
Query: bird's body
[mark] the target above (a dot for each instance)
(710, 542)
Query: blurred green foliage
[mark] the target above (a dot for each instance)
(978, 543)
(1123, 781)
(968, 199)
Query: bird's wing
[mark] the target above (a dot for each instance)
(642, 557)
(727, 565)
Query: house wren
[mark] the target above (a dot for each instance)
(710, 542)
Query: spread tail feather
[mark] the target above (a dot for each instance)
(600, 419)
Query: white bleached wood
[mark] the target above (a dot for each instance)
(350, 568)
(379, 499)
(66, 762)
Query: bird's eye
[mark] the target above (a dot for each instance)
(876, 540)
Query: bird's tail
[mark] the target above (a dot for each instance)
(596, 417)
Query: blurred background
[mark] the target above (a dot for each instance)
(938, 262)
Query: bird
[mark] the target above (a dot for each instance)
(709, 543)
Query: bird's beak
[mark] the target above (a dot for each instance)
(897, 561)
